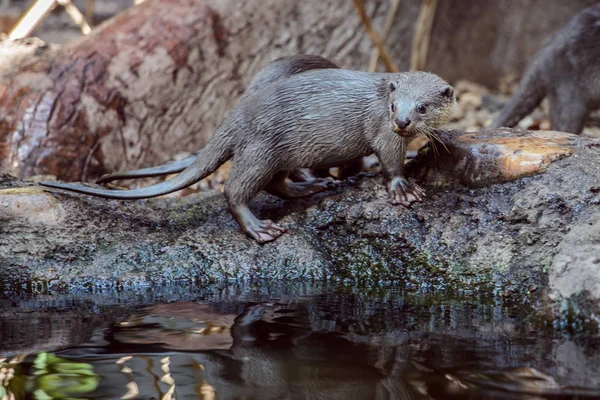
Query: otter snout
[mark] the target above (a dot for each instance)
(402, 123)
(399, 126)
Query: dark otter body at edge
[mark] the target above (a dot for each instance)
(567, 71)
(280, 68)
(308, 120)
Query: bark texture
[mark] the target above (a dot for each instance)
(77, 110)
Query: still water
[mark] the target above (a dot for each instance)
(287, 341)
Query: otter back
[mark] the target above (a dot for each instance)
(280, 68)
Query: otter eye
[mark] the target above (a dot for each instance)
(393, 107)
(421, 109)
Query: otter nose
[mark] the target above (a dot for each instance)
(402, 123)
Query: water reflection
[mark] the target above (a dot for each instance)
(282, 343)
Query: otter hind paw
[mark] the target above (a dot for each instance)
(265, 231)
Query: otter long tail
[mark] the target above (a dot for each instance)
(166, 169)
(530, 93)
(208, 159)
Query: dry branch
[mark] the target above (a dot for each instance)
(366, 21)
(389, 22)
(34, 15)
(420, 46)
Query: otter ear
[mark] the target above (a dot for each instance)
(392, 86)
(448, 92)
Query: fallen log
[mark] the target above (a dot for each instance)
(99, 103)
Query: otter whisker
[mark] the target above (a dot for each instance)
(432, 140)
(433, 134)
(442, 142)
(424, 132)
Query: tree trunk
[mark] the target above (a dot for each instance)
(158, 79)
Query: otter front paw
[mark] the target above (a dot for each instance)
(403, 192)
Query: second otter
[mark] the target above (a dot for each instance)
(313, 119)
(567, 71)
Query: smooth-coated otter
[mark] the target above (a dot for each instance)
(567, 71)
(280, 68)
(313, 119)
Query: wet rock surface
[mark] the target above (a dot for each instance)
(516, 237)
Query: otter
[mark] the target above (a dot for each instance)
(280, 68)
(312, 119)
(567, 71)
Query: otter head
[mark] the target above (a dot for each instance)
(419, 102)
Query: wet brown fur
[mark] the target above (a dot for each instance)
(313, 119)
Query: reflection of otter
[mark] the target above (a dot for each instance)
(567, 71)
(274, 355)
(318, 118)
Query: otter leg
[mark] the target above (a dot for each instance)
(403, 192)
(301, 175)
(262, 231)
(290, 190)
(321, 172)
(568, 112)
(390, 149)
(351, 168)
(247, 177)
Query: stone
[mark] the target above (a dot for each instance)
(507, 211)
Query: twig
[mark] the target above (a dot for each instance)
(389, 22)
(89, 11)
(31, 19)
(366, 21)
(76, 16)
(39, 10)
(420, 46)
